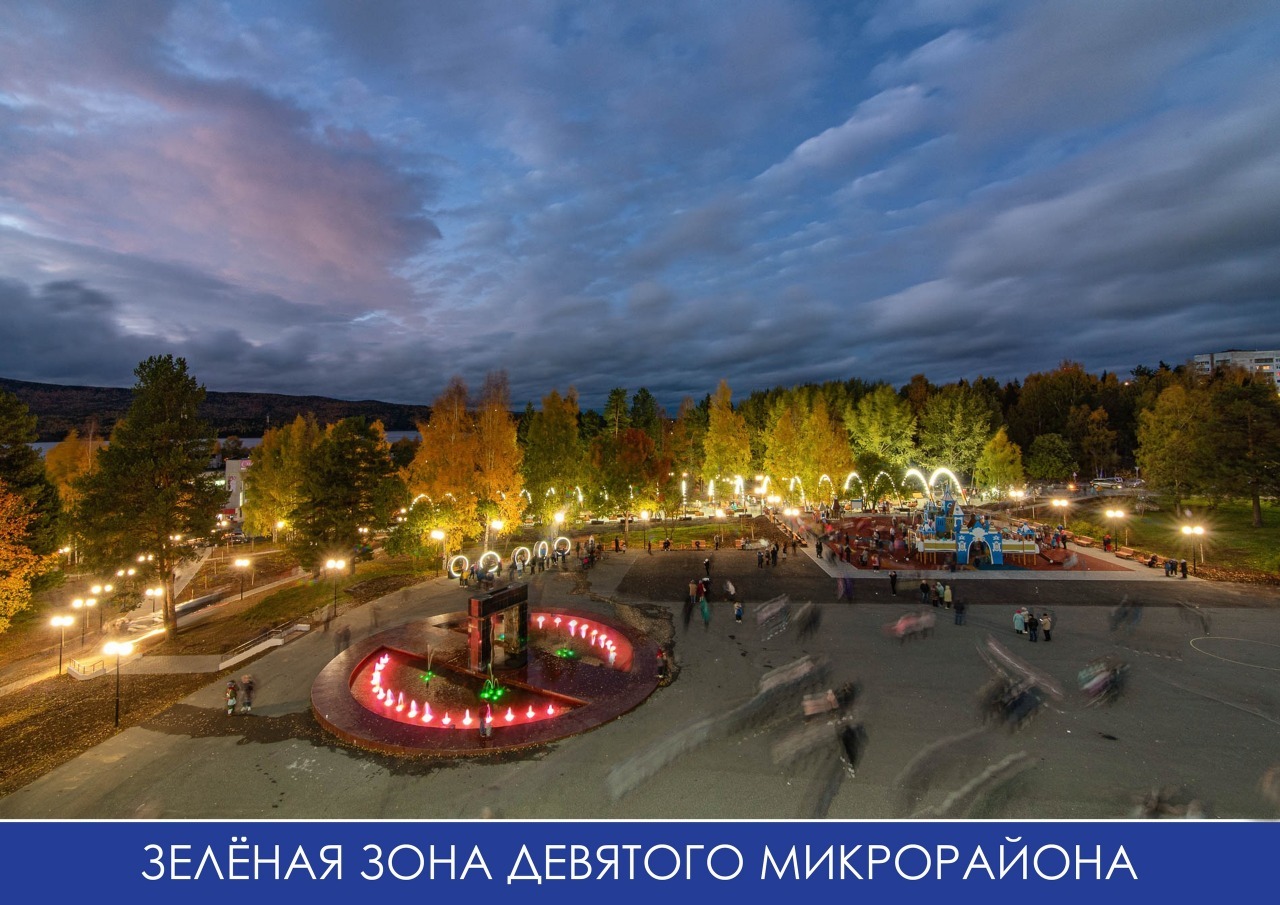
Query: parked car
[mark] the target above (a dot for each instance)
(1108, 484)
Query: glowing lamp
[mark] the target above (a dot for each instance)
(557, 621)
(413, 710)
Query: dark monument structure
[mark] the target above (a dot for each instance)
(506, 610)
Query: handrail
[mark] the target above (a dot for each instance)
(278, 632)
(87, 668)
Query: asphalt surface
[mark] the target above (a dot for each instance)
(1201, 715)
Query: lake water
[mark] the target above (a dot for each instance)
(251, 442)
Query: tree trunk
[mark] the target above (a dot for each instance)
(170, 609)
(1257, 507)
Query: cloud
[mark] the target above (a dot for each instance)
(879, 120)
(362, 201)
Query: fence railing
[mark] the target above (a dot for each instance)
(86, 667)
(270, 634)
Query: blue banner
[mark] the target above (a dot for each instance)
(206, 861)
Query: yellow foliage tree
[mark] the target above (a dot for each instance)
(18, 564)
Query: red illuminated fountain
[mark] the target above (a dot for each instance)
(494, 678)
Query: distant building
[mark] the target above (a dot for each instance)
(235, 486)
(1262, 362)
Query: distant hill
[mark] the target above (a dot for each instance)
(59, 409)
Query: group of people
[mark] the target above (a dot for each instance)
(700, 597)
(767, 555)
(1026, 622)
(240, 694)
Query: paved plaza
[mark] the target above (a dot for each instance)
(1201, 714)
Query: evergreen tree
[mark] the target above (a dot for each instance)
(150, 493)
(553, 455)
(344, 488)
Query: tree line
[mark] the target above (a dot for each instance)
(142, 497)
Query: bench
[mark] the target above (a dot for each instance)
(1083, 541)
(1126, 552)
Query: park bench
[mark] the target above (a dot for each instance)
(1083, 541)
(1126, 552)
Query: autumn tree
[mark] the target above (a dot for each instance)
(273, 485)
(726, 450)
(1171, 440)
(882, 428)
(999, 467)
(954, 429)
(498, 479)
(784, 440)
(150, 493)
(824, 450)
(444, 467)
(24, 473)
(19, 564)
(69, 460)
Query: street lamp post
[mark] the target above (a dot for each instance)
(335, 567)
(155, 594)
(118, 649)
(83, 604)
(241, 565)
(1192, 533)
(61, 623)
(101, 589)
(1114, 515)
(497, 525)
(437, 534)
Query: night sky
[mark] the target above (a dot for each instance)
(362, 199)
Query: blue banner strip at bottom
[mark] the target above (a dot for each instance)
(207, 861)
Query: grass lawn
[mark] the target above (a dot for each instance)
(1230, 542)
(290, 604)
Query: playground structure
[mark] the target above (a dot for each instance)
(494, 678)
(946, 532)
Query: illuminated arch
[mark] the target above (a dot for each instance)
(888, 477)
(919, 475)
(484, 557)
(541, 549)
(952, 475)
(826, 478)
(849, 477)
(461, 563)
(521, 554)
